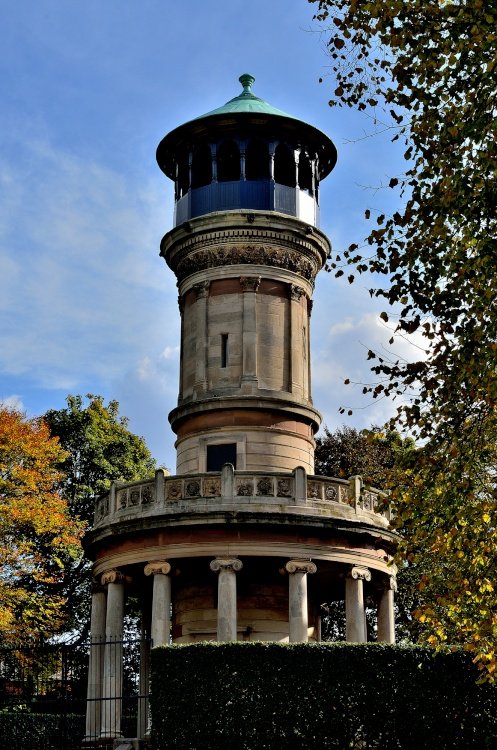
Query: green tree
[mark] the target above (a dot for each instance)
(99, 449)
(371, 453)
(37, 532)
(428, 70)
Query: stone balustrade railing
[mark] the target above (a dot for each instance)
(242, 490)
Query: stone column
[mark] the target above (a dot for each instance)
(249, 332)
(226, 596)
(113, 655)
(297, 599)
(355, 613)
(202, 293)
(161, 602)
(96, 663)
(386, 615)
(296, 342)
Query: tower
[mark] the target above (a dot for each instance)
(244, 542)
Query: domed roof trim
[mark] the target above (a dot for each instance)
(246, 102)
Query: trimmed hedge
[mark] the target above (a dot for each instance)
(24, 730)
(255, 696)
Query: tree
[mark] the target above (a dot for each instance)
(99, 449)
(428, 70)
(371, 453)
(37, 531)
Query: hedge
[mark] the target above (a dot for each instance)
(24, 730)
(256, 696)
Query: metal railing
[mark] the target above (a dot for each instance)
(43, 696)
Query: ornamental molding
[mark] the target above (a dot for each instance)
(300, 566)
(157, 568)
(305, 262)
(359, 573)
(231, 564)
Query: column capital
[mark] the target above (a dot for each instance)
(112, 576)
(97, 587)
(389, 583)
(295, 292)
(157, 567)
(201, 290)
(226, 564)
(250, 283)
(358, 572)
(300, 566)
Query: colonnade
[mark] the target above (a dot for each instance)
(105, 679)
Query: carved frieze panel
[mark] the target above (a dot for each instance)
(147, 495)
(314, 490)
(212, 487)
(173, 491)
(284, 488)
(330, 493)
(244, 488)
(192, 488)
(265, 486)
(122, 499)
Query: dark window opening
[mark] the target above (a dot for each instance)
(257, 161)
(224, 350)
(305, 173)
(183, 175)
(201, 166)
(228, 162)
(218, 455)
(284, 166)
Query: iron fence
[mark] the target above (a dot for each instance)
(44, 701)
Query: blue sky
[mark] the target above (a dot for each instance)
(88, 89)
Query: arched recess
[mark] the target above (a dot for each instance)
(284, 165)
(257, 160)
(201, 166)
(228, 162)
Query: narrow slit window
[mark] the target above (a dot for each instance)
(224, 350)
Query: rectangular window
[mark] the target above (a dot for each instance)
(224, 350)
(220, 454)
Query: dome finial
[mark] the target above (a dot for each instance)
(246, 80)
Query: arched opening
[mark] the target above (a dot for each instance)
(183, 175)
(284, 165)
(228, 162)
(201, 166)
(257, 161)
(305, 172)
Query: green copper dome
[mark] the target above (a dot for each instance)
(246, 102)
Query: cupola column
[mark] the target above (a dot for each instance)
(96, 663)
(386, 614)
(214, 161)
(161, 602)
(113, 654)
(297, 599)
(355, 613)
(226, 597)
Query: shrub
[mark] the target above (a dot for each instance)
(265, 696)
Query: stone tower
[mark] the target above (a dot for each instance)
(244, 542)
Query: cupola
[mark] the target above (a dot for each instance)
(246, 155)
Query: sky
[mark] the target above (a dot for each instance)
(87, 91)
